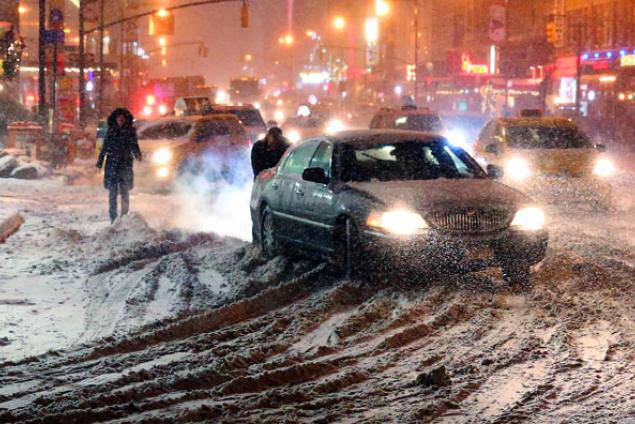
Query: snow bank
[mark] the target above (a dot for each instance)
(13, 164)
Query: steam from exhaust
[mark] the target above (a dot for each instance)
(212, 194)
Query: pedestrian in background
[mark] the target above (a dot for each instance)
(119, 150)
(267, 153)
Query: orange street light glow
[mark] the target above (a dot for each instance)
(339, 23)
(382, 8)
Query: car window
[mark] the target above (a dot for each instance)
(249, 117)
(407, 161)
(165, 130)
(206, 128)
(299, 159)
(322, 158)
(546, 137)
(376, 121)
(487, 134)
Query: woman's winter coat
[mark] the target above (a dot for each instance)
(120, 147)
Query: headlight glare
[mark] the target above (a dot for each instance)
(604, 168)
(294, 136)
(162, 156)
(334, 126)
(529, 219)
(398, 221)
(517, 169)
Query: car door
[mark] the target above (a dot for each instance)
(313, 206)
(288, 221)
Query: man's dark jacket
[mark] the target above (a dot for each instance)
(264, 157)
(120, 147)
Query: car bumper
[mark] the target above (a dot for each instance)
(563, 189)
(453, 253)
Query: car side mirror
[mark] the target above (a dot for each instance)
(493, 149)
(600, 148)
(315, 175)
(495, 172)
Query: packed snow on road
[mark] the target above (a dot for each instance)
(171, 315)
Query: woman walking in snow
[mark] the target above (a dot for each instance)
(119, 149)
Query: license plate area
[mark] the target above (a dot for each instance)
(479, 253)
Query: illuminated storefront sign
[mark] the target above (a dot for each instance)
(472, 68)
(628, 60)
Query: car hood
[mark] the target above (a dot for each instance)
(571, 162)
(444, 194)
(149, 146)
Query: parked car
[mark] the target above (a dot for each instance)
(400, 195)
(547, 153)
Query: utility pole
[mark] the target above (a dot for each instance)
(42, 62)
(82, 65)
(100, 90)
(416, 50)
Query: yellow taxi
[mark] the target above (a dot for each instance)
(540, 154)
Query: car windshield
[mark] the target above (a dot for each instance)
(410, 160)
(165, 130)
(546, 137)
(428, 123)
(208, 128)
(250, 118)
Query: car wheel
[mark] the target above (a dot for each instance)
(268, 243)
(346, 253)
(517, 275)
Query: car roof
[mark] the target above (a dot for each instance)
(371, 137)
(407, 111)
(221, 108)
(547, 122)
(218, 117)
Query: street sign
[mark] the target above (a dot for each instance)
(53, 36)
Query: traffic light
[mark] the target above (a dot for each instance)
(552, 33)
(244, 15)
(162, 23)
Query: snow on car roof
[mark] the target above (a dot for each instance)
(370, 137)
(553, 121)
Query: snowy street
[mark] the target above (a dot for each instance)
(150, 320)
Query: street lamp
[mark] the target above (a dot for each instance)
(382, 8)
(371, 30)
(339, 23)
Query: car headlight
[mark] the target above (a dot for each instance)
(517, 169)
(278, 115)
(294, 136)
(398, 221)
(162, 156)
(334, 126)
(529, 219)
(604, 168)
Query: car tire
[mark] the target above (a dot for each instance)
(269, 245)
(517, 275)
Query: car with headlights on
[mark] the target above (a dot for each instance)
(402, 198)
(215, 146)
(548, 157)
(297, 128)
(249, 116)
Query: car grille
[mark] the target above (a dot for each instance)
(470, 221)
